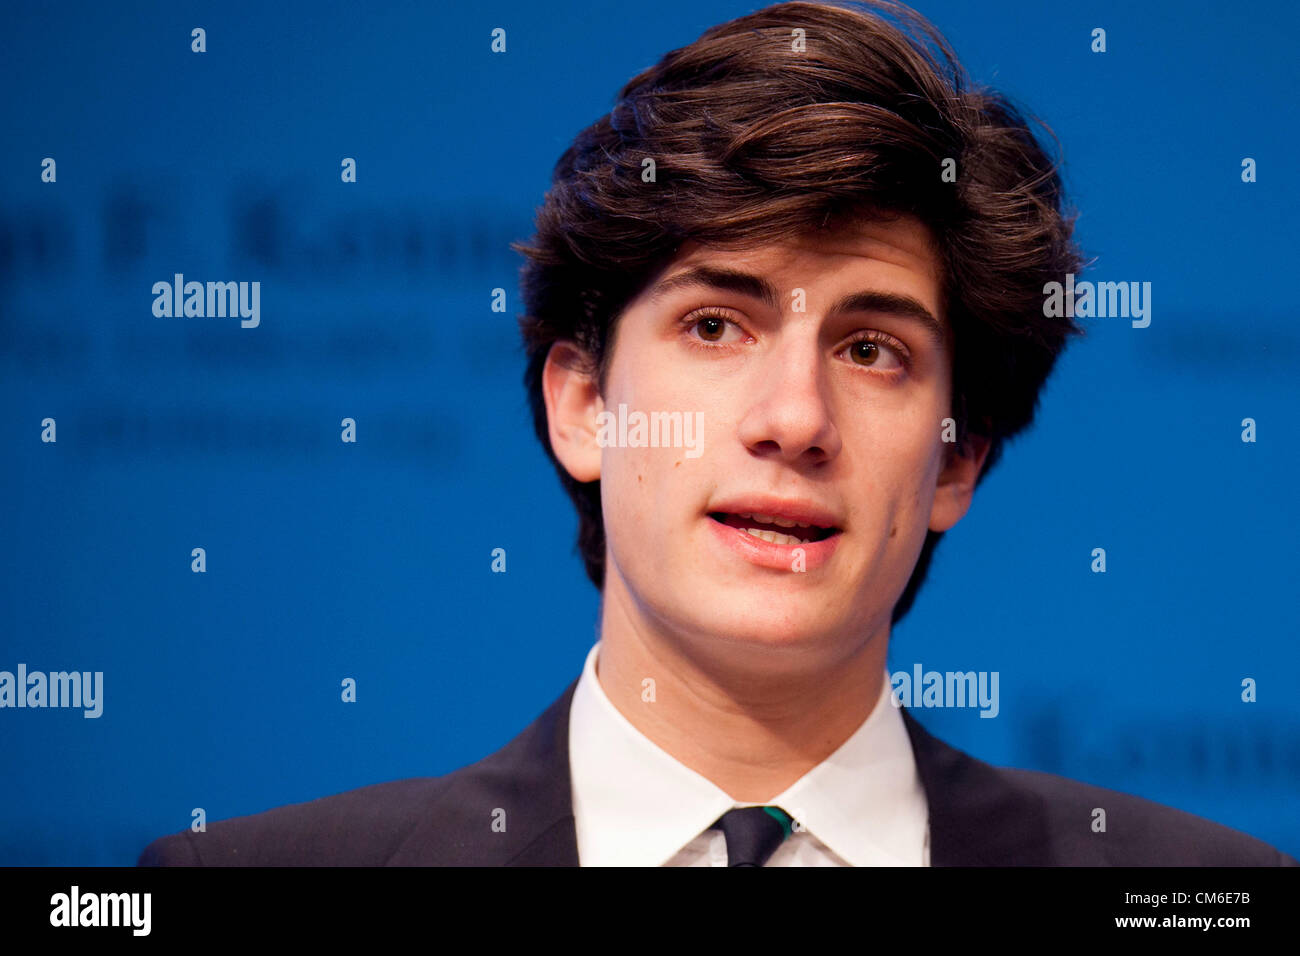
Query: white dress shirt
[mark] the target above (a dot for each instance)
(636, 805)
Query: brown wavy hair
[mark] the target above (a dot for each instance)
(753, 139)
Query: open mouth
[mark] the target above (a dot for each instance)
(774, 529)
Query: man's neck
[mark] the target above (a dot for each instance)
(752, 720)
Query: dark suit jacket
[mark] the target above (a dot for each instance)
(980, 815)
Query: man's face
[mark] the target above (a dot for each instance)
(815, 411)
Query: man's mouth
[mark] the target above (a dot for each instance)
(773, 528)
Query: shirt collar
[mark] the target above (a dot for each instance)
(637, 805)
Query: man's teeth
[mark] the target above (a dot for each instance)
(774, 537)
(779, 522)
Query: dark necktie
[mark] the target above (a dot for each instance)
(753, 833)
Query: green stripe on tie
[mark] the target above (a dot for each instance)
(780, 816)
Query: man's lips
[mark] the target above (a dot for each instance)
(779, 535)
(774, 529)
(779, 521)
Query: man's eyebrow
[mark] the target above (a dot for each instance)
(728, 280)
(756, 287)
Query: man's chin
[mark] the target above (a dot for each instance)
(767, 622)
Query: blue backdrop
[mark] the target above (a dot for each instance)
(371, 560)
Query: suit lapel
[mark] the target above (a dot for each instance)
(977, 818)
(512, 808)
(554, 839)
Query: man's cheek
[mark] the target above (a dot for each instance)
(619, 473)
(633, 482)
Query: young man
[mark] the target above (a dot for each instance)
(784, 309)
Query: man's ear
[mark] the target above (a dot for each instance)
(956, 483)
(572, 404)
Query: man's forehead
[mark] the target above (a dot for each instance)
(905, 242)
(898, 254)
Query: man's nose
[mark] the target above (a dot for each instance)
(789, 415)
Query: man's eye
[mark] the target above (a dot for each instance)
(875, 354)
(714, 328)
